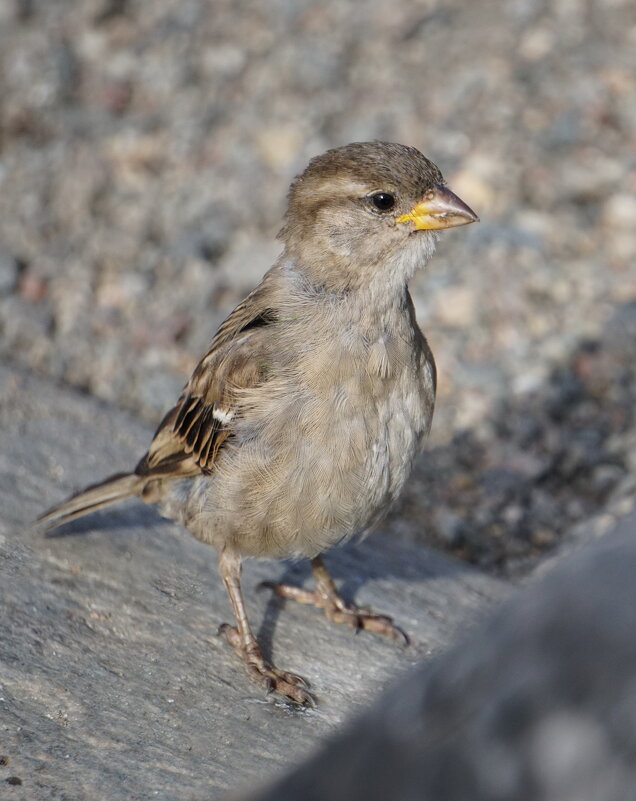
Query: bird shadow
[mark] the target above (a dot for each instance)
(109, 520)
(352, 565)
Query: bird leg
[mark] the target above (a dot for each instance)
(242, 639)
(327, 597)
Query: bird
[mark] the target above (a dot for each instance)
(301, 422)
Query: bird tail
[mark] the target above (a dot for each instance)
(113, 489)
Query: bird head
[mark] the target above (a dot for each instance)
(368, 212)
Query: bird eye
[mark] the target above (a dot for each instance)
(383, 201)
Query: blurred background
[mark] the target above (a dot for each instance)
(145, 153)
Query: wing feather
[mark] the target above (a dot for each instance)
(190, 436)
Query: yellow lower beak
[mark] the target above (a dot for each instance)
(441, 208)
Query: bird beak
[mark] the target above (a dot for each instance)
(441, 208)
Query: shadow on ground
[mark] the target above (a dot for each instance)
(503, 495)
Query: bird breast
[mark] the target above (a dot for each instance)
(320, 454)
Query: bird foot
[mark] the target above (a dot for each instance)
(259, 670)
(338, 610)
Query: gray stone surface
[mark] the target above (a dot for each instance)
(113, 684)
(538, 704)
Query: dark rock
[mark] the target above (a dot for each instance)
(536, 705)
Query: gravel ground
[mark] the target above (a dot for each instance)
(145, 152)
(504, 493)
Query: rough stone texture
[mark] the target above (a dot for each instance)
(145, 149)
(538, 704)
(113, 684)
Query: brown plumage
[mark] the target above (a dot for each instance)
(300, 424)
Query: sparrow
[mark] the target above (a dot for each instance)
(300, 424)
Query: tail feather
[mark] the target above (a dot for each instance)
(113, 489)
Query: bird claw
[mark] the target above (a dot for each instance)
(338, 611)
(268, 676)
(363, 619)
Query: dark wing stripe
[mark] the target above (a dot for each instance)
(172, 466)
(207, 427)
(187, 405)
(266, 317)
(190, 422)
(190, 437)
(211, 446)
(216, 444)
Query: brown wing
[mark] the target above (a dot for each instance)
(190, 435)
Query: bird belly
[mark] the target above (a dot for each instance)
(313, 467)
